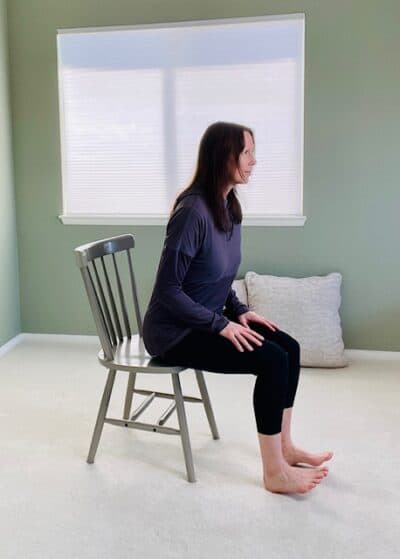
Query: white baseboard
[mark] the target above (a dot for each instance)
(372, 353)
(11, 344)
(70, 338)
(78, 338)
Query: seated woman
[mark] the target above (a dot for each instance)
(194, 318)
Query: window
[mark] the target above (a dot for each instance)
(134, 102)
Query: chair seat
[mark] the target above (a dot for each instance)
(131, 355)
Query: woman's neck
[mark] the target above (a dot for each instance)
(227, 190)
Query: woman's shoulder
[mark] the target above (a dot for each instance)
(188, 223)
(193, 202)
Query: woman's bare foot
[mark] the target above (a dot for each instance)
(295, 455)
(292, 480)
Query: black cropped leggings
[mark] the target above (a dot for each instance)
(276, 364)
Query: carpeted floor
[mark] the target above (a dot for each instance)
(135, 500)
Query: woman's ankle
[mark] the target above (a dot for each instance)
(271, 454)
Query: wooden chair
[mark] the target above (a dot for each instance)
(107, 272)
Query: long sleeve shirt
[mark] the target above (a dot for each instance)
(193, 284)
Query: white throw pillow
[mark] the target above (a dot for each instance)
(305, 308)
(239, 286)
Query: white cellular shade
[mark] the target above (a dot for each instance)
(203, 92)
(114, 141)
(135, 102)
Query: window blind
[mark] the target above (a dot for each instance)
(134, 103)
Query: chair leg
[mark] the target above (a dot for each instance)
(129, 395)
(101, 416)
(207, 403)
(180, 408)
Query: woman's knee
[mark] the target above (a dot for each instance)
(289, 344)
(271, 357)
(294, 347)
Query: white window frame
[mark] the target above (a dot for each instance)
(138, 219)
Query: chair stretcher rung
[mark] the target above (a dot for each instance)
(166, 395)
(142, 426)
(140, 409)
(168, 412)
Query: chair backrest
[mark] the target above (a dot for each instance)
(110, 285)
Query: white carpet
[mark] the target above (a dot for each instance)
(135, 500)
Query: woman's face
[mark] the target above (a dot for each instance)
(246, 161)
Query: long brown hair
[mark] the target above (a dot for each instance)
(219, 151)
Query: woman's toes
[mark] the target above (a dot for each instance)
(318, 477)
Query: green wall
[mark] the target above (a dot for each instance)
(9, 291)
(351, 192)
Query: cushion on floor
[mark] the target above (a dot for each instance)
(239, 286)
(305, 308)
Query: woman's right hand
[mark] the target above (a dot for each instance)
(241, 336)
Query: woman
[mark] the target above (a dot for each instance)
(195, 319)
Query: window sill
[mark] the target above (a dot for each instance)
(131, 219)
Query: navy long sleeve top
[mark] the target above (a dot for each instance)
(193, 284)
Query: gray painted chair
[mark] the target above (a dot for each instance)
(107, 272)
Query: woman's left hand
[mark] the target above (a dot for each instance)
(251, 316)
